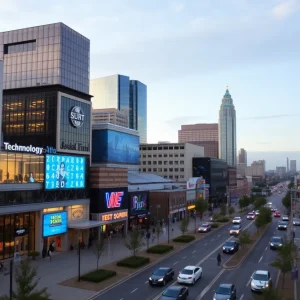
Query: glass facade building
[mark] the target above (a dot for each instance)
(45, 55)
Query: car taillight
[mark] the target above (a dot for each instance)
(190, 277)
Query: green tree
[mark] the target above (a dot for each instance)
(98, 249)
(285, 255)
(264, 217)
(201, 206)
(244, 238)
(223, 210)
(286, 200)
(242, 203)
(231, 210)
(158, 231)
(184, 224)
(259, 202)
(26, 283)
(134, 241)
(291, 185)
(268, 294)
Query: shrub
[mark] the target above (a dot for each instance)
(160, 249)
(223, 220)
(215, 225)
(133, 262)
(98, 275)
(231, 210)
(216, 217)
(184, 239)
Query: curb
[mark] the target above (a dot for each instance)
(150, 265)
(247, 253)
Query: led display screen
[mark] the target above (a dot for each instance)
(138, 203)
(55, 223)
(64, 172)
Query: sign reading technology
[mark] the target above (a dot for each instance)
(114, 199)
(64, 172)
(139, 203)
(76, 116)
(55, 223)
(30, 149)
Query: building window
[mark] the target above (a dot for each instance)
(181, 147)
(149, 155)
(144, 169)
(154, 155)
(154, 148)
(165, 170)
(165, 148)
(144, 155)
(171, 169)
(159, 155)
(176, 155)
(171, 162)
(155, 170)
(20, 47)
(181, 169)
(171, 176)
(144, 163)
(170, 155)
(160, 162)
(181, 176)
(155, 162)
(176, 162)
(176, 169)
(159, 169)
(165, 162)
(149, 169)
(181, 155)
(165, 155)
(182, 162)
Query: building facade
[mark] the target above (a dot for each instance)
(46, 125)
(242, 156)
(256, 170)
(205, 135)
(227, 130)
(110, 115)
(128, 96)
(170, 160)
(281, 171)
(293, 166)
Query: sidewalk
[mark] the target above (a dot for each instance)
(65, 265)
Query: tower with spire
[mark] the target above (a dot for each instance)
(227, 130)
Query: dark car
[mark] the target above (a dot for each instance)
(296, 222)
(225, 291)
(231, 247)
(161, 276)
(282, 225)
(276, 242)
(175, 292)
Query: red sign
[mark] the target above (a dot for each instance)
(114, 199)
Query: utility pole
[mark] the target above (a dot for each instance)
(168, 209)
(10, 279)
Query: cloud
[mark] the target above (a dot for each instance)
(269, 117)
(285, 9)
(179, 7)
(96, 19)
(178, 121)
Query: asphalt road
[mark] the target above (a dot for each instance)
(203, 253)
(259, 259)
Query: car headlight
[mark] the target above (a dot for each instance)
(252, 284)
(271, 244)
(280, 245)
(150, 279)
(214, 298)
(231, 248)
(224, 248)
(161, 279)
(266, 285)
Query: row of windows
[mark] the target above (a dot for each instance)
(162, 148)
(160, 155)
(20, 47)
(165, 162)
(163, 170)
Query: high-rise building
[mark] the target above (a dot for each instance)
(242, 157)
(281, 171)
(287, 164)
(128, 96)
(227, 130)
(110, 115)
(293, 165)
(1, 97)
(205, 135)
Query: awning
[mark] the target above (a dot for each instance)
(84, 224)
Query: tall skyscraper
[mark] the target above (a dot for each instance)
(128, 96)
(205, 135)
(293, 165)
(227, 130)
(242, 157)
(287, 164)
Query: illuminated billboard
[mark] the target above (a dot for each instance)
(55, 223)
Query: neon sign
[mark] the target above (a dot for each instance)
(114, 199)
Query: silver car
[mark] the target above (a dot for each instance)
(260, 280)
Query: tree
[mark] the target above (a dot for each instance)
(184, 224)
(26, 283)
(223, 210)
(244, 202)
(264, 217)
(231, 210)
(286, 200)
(158, 232)
(201, 206)
(268, 294)
(135, 241)
(259, 202)
(245, 238)
(98, 248)
(285, 255)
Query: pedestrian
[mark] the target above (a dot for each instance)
(50, 254)
(153, 238)
(219, 259)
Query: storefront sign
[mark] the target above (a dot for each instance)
(21, 232)
(55, 223)
(191, 206)
(76, 116)
(30, 149)
(138, 203)
(117, 216)
(77, 213)
(114, 199)
(74, 146)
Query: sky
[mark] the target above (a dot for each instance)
(187, 52)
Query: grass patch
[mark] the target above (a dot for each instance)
(184, 239)
(223, 220)
(133, 262)
(160, 249)
(215, 225)
(98, 275)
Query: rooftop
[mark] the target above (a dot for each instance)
(140, 178)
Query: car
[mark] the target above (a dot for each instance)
(276, 242)
(285, 218)
(260, 280)
(296, 222)
(256, 212)
(251, 216)
(273, 209)
(235, 229)
(189, 275)
(231, 247)
(225, 291)
(175, 292)
(205, 227)
(276, 214)
(161, 276)
(237, 220)
(282, 225)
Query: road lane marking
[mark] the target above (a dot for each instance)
(212, 240)
(277, 279)
(134, 290)
(218, 235)
(248, 282)
(176, 262)
(184, 257)
(260, 259)
(194, 251)
(242, 297)
(266, 248)
(211, 284)
(205, 244)
(146, 282)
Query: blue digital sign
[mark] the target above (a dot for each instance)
(109, 146)
(55, 223)
(64, 172)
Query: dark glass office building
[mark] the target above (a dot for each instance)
(215, 173)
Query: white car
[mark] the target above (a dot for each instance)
(260, 280)
(285, 218)
(189, 275)
(237, 220)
